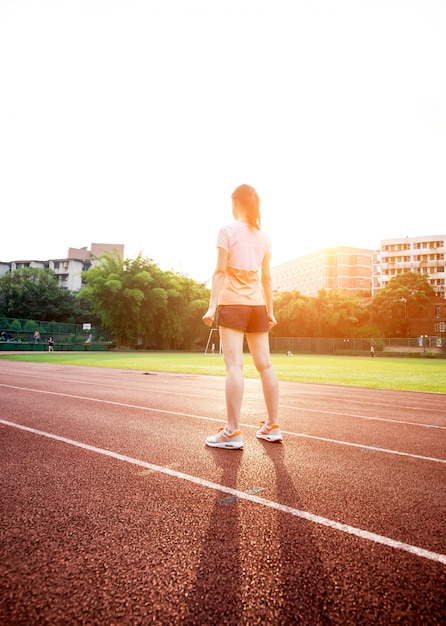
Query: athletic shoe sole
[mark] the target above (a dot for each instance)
(269, 438)
(235, 445)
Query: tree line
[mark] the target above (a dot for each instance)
(140, 305)
(335, 314)
(133, 300)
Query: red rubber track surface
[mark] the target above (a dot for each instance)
(115, 512)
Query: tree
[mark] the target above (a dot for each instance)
(405, 295)
(293, 314)
(34, 293)
(329, 314)
(181, 324)
(338, 315)
(142, 305)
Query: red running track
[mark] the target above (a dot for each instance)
(115, 512)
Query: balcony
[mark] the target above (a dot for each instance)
(399, 265)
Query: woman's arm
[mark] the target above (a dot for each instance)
(218, 278)
(268, 289)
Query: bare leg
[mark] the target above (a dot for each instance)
(232, 344)
(259, 347)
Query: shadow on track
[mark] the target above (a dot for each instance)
(304, 587)
(216, 594)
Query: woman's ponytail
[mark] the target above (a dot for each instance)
(249, 198)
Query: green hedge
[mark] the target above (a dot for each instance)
(13, 346)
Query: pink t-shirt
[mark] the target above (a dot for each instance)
(246, 247)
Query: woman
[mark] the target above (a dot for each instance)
(245, 305)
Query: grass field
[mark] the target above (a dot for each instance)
(379, 373)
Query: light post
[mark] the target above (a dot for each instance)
(405, 316)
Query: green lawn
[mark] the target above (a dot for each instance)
(380, 373)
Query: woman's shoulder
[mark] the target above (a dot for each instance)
(228, 230)
(244, 231)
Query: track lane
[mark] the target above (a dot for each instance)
(326, 497)
(361, 429)
(303, 568)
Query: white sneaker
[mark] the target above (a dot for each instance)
(224, 440)
(270, 433)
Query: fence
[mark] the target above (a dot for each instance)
(16, 327)
(19, 334)
(320, 345)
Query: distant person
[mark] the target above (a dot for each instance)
(36, 336)
(372, 351)
(50, 344)
(245, 305)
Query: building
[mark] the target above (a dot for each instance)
(430, 322)
(14, 265)
(359, 270)
(376, 272)
(68, 270)
(347, 269)
(417, 254)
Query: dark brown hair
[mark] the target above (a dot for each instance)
(247, 196)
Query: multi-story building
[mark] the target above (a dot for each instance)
(418, 254)
(14, 265)
(376, 272)
(347, 269)
(359, 270)
(68, 270)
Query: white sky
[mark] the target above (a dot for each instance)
(132, 121)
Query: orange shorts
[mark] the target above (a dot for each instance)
(249, 319)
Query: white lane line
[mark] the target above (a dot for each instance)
(216, 419)
(435, 395)
(364, 417)
(101, 401)
(363, 447)
(126, 387)
(257, 402)
(243, 495)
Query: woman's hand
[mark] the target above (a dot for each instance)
(208, 317)
(272, 321)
